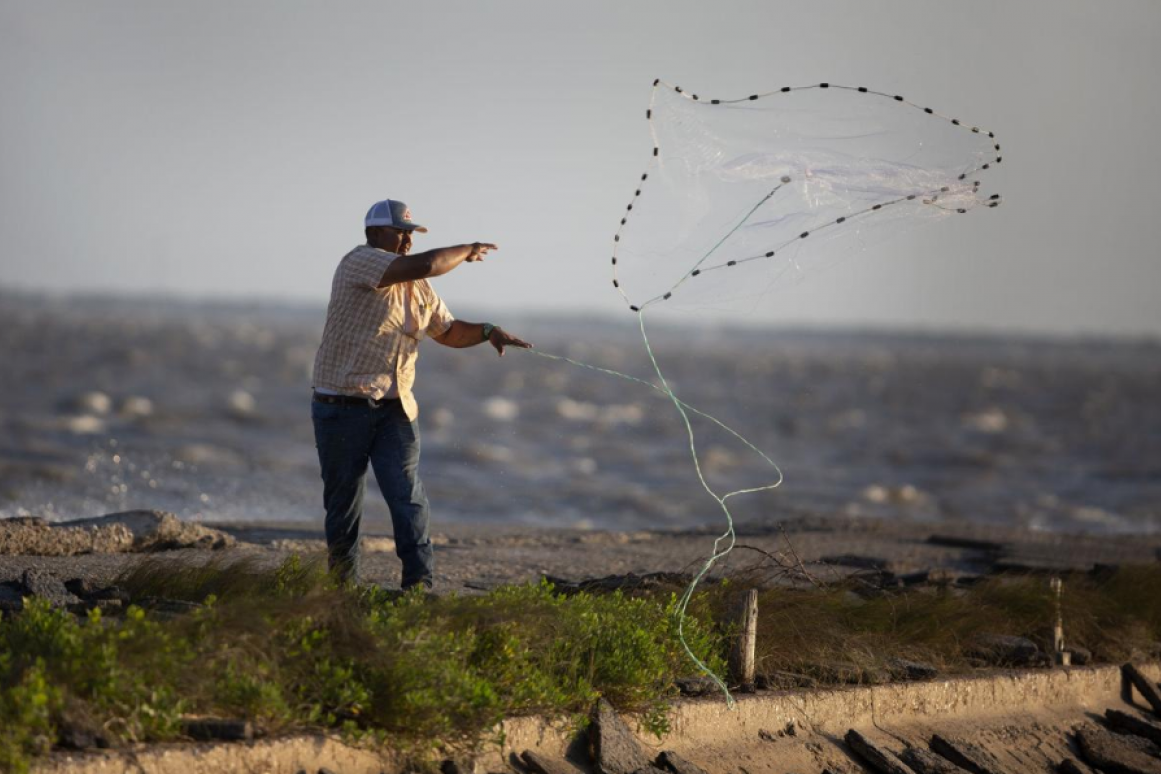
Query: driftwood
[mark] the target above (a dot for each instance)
(1113, 755)
(927, 762)
(1143, 686)
(966, 755)
(1122, 721)
(613, 747)
(883, 761)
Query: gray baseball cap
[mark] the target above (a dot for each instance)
(393, 213)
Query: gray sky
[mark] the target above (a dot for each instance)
(232, 148)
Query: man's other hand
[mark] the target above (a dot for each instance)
(501, 338)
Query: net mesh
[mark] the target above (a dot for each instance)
(743, 196)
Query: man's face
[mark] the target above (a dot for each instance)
(396, 240)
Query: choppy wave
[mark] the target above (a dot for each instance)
(203, 410)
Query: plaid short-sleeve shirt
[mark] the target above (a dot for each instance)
(371, 339)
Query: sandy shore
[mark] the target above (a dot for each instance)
(478, 557)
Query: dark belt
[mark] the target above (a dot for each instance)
(349, 400)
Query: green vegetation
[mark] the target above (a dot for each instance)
(288, 650)
(837, 636)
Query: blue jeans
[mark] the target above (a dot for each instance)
(347, 438)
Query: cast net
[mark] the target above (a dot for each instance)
(744, 196)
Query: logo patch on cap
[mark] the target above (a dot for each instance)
(407, 214)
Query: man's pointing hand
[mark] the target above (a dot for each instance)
(479, 250)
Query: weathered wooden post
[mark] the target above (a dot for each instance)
(1061, 656)
(742, 655)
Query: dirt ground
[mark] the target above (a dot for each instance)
(479, 557)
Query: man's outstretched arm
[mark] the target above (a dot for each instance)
(432, 263)
(465, 334)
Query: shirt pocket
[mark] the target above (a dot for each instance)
(422, 319)
(393, 319)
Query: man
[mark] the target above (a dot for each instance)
(381, 308)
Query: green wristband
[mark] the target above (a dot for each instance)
(488, 328)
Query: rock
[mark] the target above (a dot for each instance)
(615, 749)
(74, 737)
(450, 766)
(28, 521)
(911, 670)
(927, 762)
(1112, 754)
(114, 533)
(851, 674)
(776, 681)
(111, 594)
(695, 686)
(650, 770)
(1131, 724)
(11, 598)
(160, 531)
(1005, 650)
(1147, 690)
(1080, 656)
(966, 755)
(542, 764)
(672, 762)
(55, 540)
(217, 729)
(879, 759)
(81, 587)
(45, 585)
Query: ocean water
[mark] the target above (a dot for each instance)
(203, 409)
